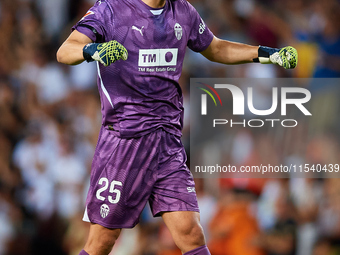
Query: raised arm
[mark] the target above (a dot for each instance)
(78, 47)
(230, 53)
(233, 53)
(71, 51)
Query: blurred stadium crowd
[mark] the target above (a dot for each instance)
(50, 119)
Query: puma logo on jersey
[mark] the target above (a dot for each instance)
(140, 30)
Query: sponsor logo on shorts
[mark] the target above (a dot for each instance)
(104, 210)
(191, 189)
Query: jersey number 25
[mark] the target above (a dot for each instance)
(104, 181)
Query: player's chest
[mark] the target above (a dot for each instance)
(140, 34)
(155, 44)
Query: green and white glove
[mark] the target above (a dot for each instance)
(286, 57)
(106, 53)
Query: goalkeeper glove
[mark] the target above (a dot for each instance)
(106, 53)
(286, 57)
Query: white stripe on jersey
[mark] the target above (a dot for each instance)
(103, 87)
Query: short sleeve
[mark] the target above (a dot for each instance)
(97, 23)
(200, 35)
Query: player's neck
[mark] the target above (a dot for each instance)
(155, 3)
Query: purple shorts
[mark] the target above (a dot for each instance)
(126, 173)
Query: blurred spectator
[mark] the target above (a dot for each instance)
(7, 230)
(207, 204)
(323, 247)
(281, 238)
(54, 16)
(49, 77)
(69, 173)
(33, 157)
(233, 229)
(328, 40)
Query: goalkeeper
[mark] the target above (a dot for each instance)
(220, 51)
(139, 157)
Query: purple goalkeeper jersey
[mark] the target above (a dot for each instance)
(142, 94)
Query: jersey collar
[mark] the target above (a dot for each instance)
(147, 9)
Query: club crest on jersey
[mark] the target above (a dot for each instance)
(87, 14)
(104, 210)
(178, 31)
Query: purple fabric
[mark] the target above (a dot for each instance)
(203, 250)
(126, 173)
(83, 253)
(142, 94)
